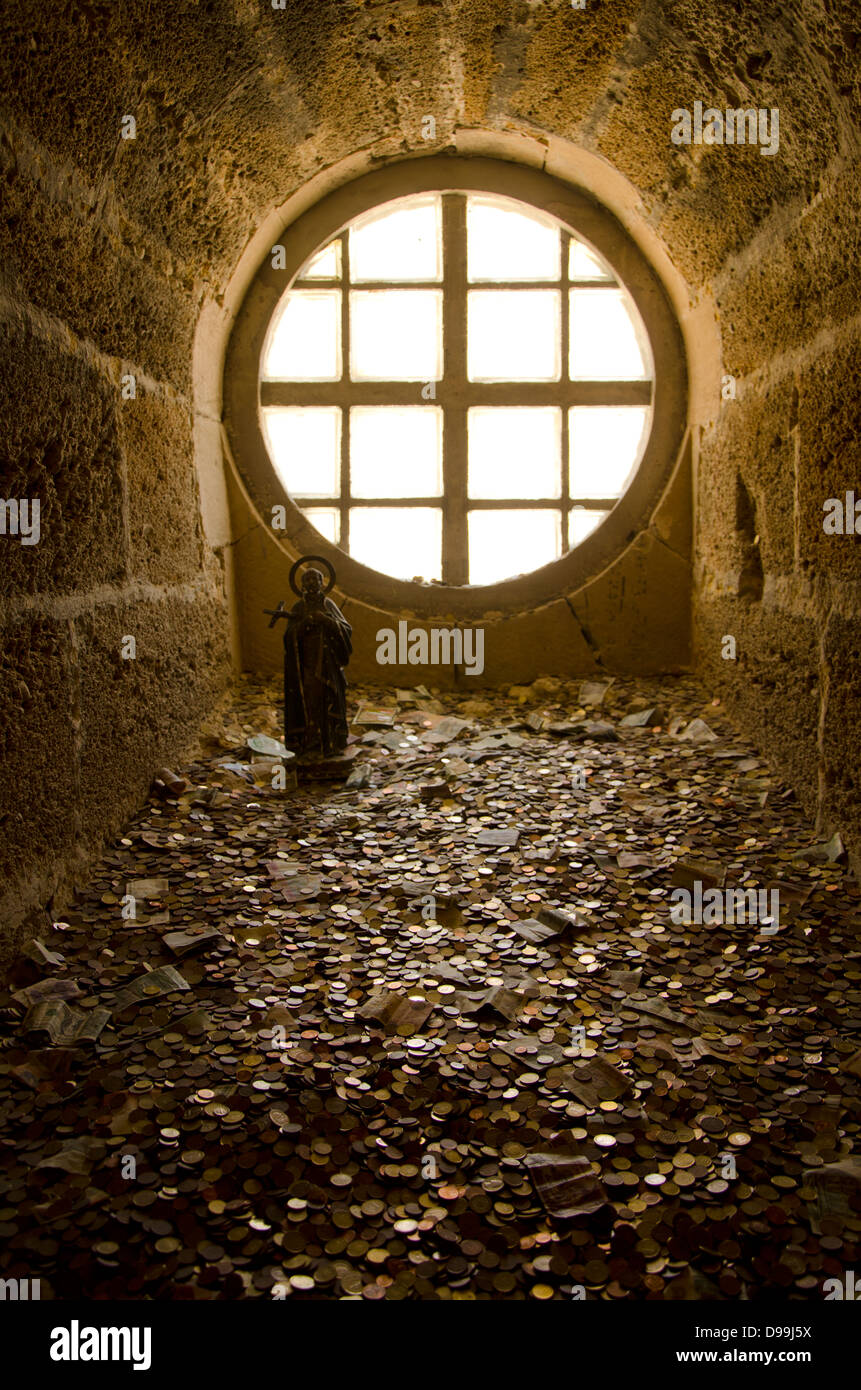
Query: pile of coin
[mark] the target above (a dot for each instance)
(436, 1031)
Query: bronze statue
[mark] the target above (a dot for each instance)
(317, 645)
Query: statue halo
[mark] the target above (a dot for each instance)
(306, 560)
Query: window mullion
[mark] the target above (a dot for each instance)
(565, 326)
(455, 559)
(345, 379)
(307, 393)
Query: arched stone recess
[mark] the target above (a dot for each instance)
(622, 600)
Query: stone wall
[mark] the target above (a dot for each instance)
(767, 574)
(90, 296)
(773, 242)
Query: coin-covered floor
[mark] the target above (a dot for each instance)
(360, 1076)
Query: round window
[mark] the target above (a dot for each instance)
(455, 384)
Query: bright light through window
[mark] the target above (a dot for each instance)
(305, 340)
(460, 347)
(396, 335)
(604, 448)
(305, 445)
(325, 265)
(583, 264)
(327, 521)
(582, 523)
(403, 244)
(501, 438)
(396, 451)
(604, 343)
(403, 541)
(506, 243)
(513, 335)
(504, 543)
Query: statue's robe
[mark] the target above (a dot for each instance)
(315, 691)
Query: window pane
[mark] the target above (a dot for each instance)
(402, 541)
(305, 448)
(396, 335)
(326, 520)
(583, 264)
(604, 344)
(396, 451)
(514, 451)
(604, 443)
(324, 265)
(582, 523)
(513, 335)
(305, 337)
(511, 542)
(504, 242)
(398, 243)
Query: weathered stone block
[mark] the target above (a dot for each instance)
(772, 688)
(163, 510)
(841, 731)
(38, 739)
(58, 441)
(138, 714)
(97, 277)
(797, 285)
(636, 615)
(752, 441)
(829, 463)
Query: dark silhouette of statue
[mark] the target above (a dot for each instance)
(317, 646)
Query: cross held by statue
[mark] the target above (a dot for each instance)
(276, 613)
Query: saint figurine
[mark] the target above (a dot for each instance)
(317, 645)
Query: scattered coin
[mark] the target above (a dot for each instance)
(438, 1034)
